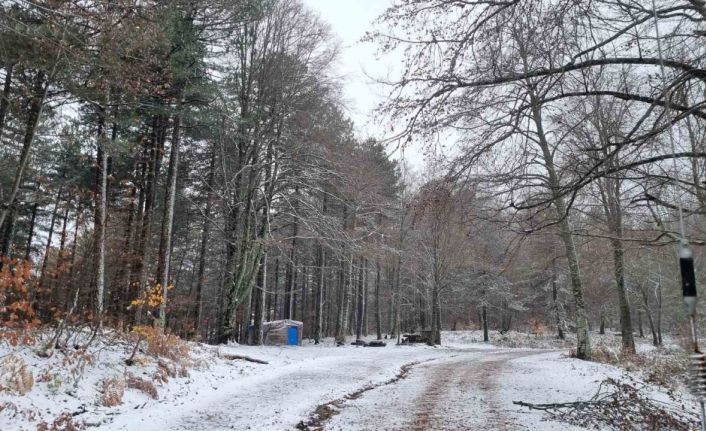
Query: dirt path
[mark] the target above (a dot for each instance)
(451, 384)
(457, 393)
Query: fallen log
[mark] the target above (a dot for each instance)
(376, 343)
(232, 357)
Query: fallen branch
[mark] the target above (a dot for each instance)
(232, 357)
(621, 406)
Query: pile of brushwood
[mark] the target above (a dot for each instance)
(624, 406)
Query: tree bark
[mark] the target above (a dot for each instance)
(50, 236)
(378, 316)
(342, 315)
(555, 302)
(30, 234)
(205, 230)
(318, 326)
(101, 197)
(5, 98)
(275, 287)
(289, 299)
(436, 316)
(61, 255)
(609, 189)
(8, 232)
(360, 301)
(304, 298)
(153, 167)
(168, 220)
(601, 328)
(583, 341)
(36, 104)
(259, 302)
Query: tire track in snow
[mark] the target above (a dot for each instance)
(436, 406)
(324, 412)
(453, 394)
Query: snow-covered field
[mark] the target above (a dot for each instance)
(458, 386)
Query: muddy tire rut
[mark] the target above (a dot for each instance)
(475, 378)
(458, 393)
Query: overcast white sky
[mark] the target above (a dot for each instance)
(349, 20)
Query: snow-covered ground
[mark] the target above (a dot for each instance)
(463, 385)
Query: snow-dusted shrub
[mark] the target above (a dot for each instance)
(163, 345)
(17, 316)
(167, 369)
(112, 391)
(53, 379)
(64, 422)
(605, 354)
(15, 375)
(142, 385)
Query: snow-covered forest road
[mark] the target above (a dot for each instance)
(462, 385)
(459, 392)
(443, 389)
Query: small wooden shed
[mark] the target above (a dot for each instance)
(282, 333)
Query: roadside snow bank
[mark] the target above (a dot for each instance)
(72, 386)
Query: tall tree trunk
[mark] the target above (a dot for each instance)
(555, 303)
(628, 341)
(60, 259)
(36, 104)
(321, 260)
(260, 289)
(366, 313)
(397, 299)
(50, 235)
(165, 242)
(8, 232)
(436, 313)
(304, 297)
(658, 297)
(74, 243)
(290, 277)
(135, 252)
(378, 316)
(5, 98)
(360, 300)
(123, 276)
(653, 329)
(30, 234)
(484, 315)
(205, 230)
(275, 314)
(422, 311)
(155, 161)
(342, 315)
(327, 299)
(351, 295)
(433, 329)
(601, 328)
(101, 198)
(583, 341)
(609, 189)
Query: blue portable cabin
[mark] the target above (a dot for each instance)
(282, 333)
